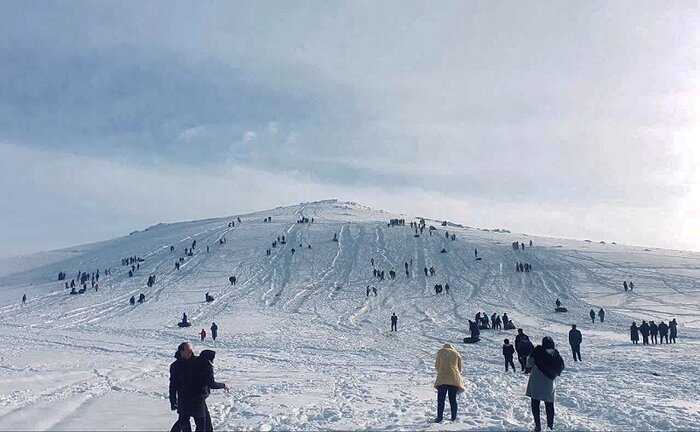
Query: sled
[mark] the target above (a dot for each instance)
(416, 235)
(471, 340)
(210, 299)
(561, 309)
(478, 259)
(184, 324)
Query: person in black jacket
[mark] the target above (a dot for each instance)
(673, 329)
(214, 330)
(201, 382)
(178, 375)
(644, 330)
(575, 342)
(523, 346)
(508, 351)
(634, 333)
(663, 332)
(654, 331)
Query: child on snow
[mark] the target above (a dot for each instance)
(508, 352)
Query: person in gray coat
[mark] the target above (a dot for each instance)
(547, 365)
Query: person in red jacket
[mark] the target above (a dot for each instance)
(203, 334)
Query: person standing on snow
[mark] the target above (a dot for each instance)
(644, 330)
(214, 331)
(546, 365)
(601, 315)
(179, 371)
(654, 331)
(673, 329)
(663, 332)
(203, 334)
(592, 314)
(523, 347)
(634, 333)
(508, 352)
(449, 382)
(575, 339)
(199, 384)
(394, 321)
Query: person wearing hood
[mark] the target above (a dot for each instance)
(200, 386)
(634, 333)
(179, 371)
(547, 365)
(449, 382)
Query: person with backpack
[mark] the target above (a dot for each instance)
(523, 347)
(546, 365)
(634, 333)
(449, 382)
(575, 339)
(508, 352)
(214, 331)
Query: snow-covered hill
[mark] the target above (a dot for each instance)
(303, 347)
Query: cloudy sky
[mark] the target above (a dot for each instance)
(572, 119)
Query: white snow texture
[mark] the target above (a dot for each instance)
(303, 348)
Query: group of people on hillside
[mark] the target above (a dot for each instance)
(629, 286)
(522, 267)
(654, 332)
(601, 315)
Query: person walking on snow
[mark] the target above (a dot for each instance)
(601, 315)
(508, 352)
(449, 382)
(394, 321)
(24, 299)
(179, 371)
(214, 331)
(546, 365)
(592, 314)
(575, 339)
(203, 334)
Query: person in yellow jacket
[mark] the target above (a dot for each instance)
(448, 364)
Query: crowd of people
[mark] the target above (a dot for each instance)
(656, 333)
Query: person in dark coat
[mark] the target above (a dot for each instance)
(178, 375)
(654, 332)
(508, 352)
(546, 365)
(214, 330)
(592, 314)
(575, 339)
(601, 315)
(199, 383)
(673, 329)
(394, 321)
(523, 347)
(644, 330)
(24, 298)
(634, 333)
(474, 329)
(663, 332)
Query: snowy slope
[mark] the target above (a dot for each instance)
(302, 347)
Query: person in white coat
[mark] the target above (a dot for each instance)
(547, 365)
(448, 364)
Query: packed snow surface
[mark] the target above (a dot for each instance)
(303, 348)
